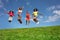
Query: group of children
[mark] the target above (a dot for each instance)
(34, 16)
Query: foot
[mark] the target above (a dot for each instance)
(37, 23)
(10, 21)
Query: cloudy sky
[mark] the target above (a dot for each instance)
(49, 8)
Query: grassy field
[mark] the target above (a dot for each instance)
(39, 33)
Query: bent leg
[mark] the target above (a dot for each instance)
(20, 21)
(10, 19)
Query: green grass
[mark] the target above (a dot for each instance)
(40, 33)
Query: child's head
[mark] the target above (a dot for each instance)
(11, 11)
(35, 9)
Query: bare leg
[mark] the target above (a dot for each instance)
(20, 21)
(26, 22)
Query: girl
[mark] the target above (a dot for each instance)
(35, 15)
(11, 14)
(20, 11)
(19, 15)
(27, 18)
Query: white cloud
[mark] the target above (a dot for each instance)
(51, 8)
(56, 11)
(52, 18)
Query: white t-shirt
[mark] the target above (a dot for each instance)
(20, 11)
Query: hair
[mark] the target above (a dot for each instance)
(11, 11)
(35, 9)
(19, 8)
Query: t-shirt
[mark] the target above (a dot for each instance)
(35, 13)
(19, 11)
(27, 16)
(11, 14)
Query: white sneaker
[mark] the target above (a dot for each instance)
(37, 23)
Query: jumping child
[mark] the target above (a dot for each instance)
(35, 15)
(11, 14)
(27, 18)
(19, 15)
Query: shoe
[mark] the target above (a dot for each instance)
(37, 23)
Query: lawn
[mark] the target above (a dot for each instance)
(38, 33)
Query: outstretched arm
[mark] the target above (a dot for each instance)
(5, 10)
(40, 14)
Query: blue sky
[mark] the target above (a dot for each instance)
(49, 8)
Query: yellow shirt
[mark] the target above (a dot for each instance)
(35, 13)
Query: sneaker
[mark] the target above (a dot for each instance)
(37, 23)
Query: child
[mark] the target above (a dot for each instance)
(27, 18)
(19, 15)
(35, 15)
(11, 14)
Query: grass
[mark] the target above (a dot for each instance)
(40, 33)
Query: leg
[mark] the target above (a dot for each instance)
(20, 21)
(10, 19)
(26, 22)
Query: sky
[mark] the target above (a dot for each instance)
(49, 8)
